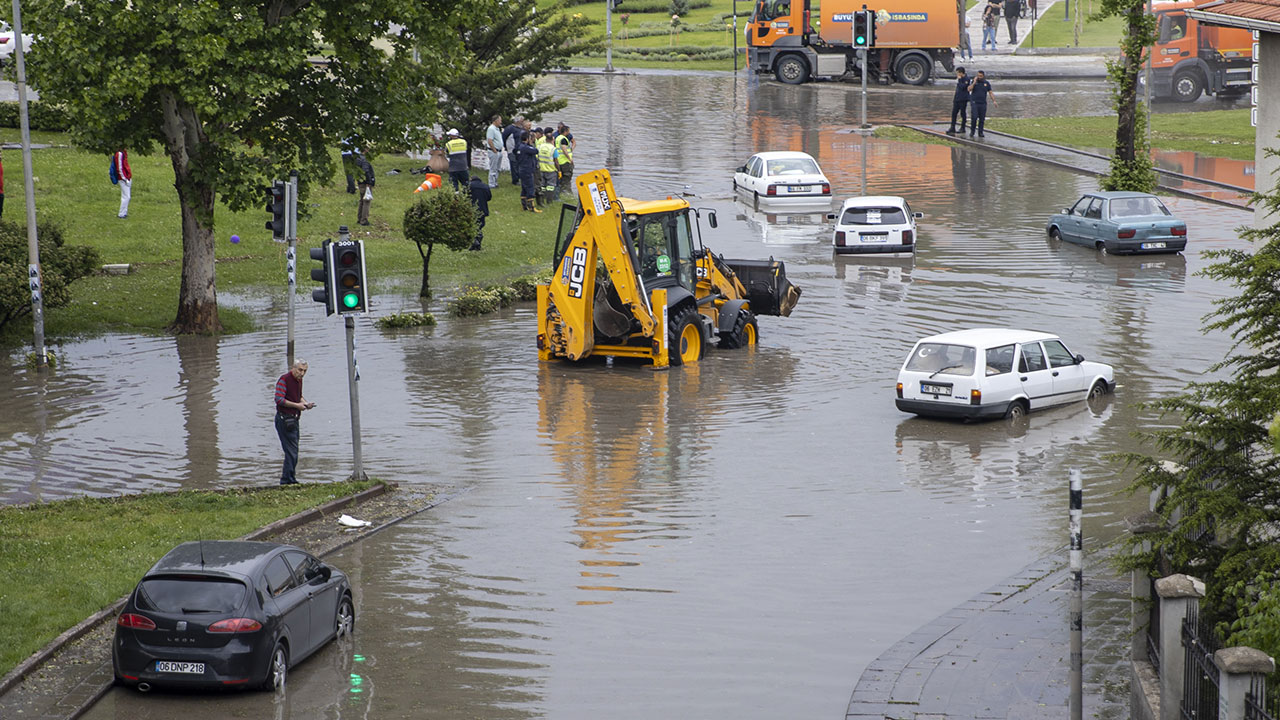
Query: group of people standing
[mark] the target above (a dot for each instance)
(541, 161)
(991, 12)
(971, 91)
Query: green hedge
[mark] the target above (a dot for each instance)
(41, 116)
(677, 53)
(645, 6)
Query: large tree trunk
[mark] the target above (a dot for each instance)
(1127, 102)
(197, 296)
(426, 269)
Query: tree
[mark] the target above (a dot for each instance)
(502, 61)
(439, 216)
(237, 93)
(1222, 496)
(1131, 167)
(60, 265)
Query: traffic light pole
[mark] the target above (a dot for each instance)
(291, 255)
(353, 391)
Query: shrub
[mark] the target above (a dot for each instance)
(60, 265)
(507, 296)
(440, 216)
(526, 286)
(406, 320)
(41, 116)
(474, 301)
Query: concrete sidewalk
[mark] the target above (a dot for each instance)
(1006, 654)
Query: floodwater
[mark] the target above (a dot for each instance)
(736, 538)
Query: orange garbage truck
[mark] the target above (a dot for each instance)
(911, 36)
(1191, 59)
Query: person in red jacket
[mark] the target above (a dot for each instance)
(121, 160)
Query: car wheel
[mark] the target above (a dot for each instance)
(755, 194)
(1098, 390)
(792, 70)
(1187, 86)
(277, 669)
(345, 620)
(1100, 246)
(1017, 410)
(1054, 235)
(744, 333)
(684, 337)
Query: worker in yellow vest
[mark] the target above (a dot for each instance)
(456, 148)
(546, 168)
(564, 165)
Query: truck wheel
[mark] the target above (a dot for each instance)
(792, 70)
(684, 337)
(913, 69)
(744, 333)
(1187, 86)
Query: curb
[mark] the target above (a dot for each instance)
(41, 656)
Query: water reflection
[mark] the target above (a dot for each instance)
(787, 226)
(879, 278)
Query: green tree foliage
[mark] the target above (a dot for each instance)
(1222, 493)
(439, 217)
(238, 93)
(498, 72)
(679, 7)
(1131, 167)
(60, 265)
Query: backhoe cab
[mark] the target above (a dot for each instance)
(632, 279)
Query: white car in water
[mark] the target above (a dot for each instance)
(877, 224)
(996, 372)
(791, 177)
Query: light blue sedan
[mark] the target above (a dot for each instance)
(1120, 223)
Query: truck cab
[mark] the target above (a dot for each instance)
(1190, 59)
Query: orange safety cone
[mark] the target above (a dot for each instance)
(431, 182)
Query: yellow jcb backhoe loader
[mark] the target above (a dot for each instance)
(631, 279)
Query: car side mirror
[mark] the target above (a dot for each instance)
(1079, 358)
(831, 216)
(322, 573)
(1067, 211)
(917, 215)
(742, 168)
(711, 220)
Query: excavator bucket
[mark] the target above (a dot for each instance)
(768, 289)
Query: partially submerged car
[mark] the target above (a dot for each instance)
(1120, 223)
(875, 224)
(995, 372)
(784, 177)
(227, 614)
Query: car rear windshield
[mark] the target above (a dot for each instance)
(873, 216)
(190, 594)
(1136, 207)
(793, 166)
(943, 359)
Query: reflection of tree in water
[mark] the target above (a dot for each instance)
(447, 373)
(198, 380)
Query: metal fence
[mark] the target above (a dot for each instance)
(1258, 705)
(1153, 628)
(1200, 678)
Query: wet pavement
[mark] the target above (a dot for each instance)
(739, 538)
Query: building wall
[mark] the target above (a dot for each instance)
(1268, 130)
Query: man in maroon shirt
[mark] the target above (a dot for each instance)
(289, 406)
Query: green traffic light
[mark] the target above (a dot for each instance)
(351, 300)
(860, 40)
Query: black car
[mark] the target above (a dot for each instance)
(229, 614)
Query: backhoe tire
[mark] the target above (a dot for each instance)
(744, 333)
(684, 337)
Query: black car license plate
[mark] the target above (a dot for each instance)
(189, 668)
(933, 389)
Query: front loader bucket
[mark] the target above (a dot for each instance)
(768, 290)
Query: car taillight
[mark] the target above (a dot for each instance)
(975, 397)
(899, 389)
(235, 625)
(839, 238)
(908, 237)
(826, 188)
(1180, 231)
(1122, 234)
(135, 621)
(773, 190)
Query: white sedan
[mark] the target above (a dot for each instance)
(790, 176)
(874, 225)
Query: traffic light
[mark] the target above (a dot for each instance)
(871, 27)
(276, 205)
(349, 280)
(323, 274)
(863, 28)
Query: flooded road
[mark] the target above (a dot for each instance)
(737, 538)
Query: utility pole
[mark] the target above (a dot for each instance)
(735, 36)
(1076, 681)
(608, 35)
(1146, 91)
(291, 236)
(34, 273)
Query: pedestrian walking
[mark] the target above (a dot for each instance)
(990, 21)
(960, 101)
(289, 406)
(1012, 9)
(526, 162)
(510, 139)
(480, 197)
(564, 166)
(493, 145)
(365, 190)
(456, 148)
(546, 167)
(349, 152)
(966, 43)
(124, 178)
(979, 91)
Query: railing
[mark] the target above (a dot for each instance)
(1153, 628)
(1258, 705)
(1200, 673)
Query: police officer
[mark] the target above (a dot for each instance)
(456, 148)
(960, 101)
(526, 166)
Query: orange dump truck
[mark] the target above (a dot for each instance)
(911, 37)
(1191, 58)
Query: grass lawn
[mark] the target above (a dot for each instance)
(72, 189)
(1051, 31)
(63, 561)
(1221, 133)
